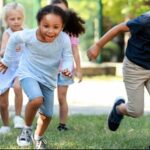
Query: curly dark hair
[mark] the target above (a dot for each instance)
(59, 2)
(75, 24)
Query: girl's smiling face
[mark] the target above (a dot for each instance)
(49, 27)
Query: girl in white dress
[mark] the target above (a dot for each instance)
(13, 17)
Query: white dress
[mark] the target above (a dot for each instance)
(7, 79)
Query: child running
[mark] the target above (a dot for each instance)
(13, 17)
(38, 69)
(76, 28)
(136, 67)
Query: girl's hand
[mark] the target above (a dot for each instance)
(66, 73)
(3, 68)
(79, 75)
(93, 52)
(18, 48)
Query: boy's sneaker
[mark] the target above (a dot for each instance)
(18, 122)
(5, 129)
(25, 137)
(114, 119)
(62, 127)
(39, 144)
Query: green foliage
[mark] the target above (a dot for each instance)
(118, 10)
(114, 12)
(89, 11)
(86, 9)
(110, 53)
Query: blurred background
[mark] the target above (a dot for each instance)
(100, 16)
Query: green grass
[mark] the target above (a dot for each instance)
(91, 132)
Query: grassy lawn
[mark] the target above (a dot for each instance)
(90, 132)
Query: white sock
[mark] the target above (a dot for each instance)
(37, 137)
(27, 127)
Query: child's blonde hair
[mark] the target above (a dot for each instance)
(11, 6)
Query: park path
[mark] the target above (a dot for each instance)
(90, 97)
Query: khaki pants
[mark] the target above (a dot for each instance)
(135, 79)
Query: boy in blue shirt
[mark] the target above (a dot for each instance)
(136, 67)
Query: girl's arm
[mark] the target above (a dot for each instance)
(5, 38)
(94, 50)
(67, 58)
(76, 55)
(11, 48)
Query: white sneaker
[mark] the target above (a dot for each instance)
(4, 129)
(25, 138)
(18, 122)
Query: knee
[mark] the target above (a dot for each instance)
(37, 102)
(45, 117)
(3, 105)
(136, 113)
(62, 100)
(17, 88)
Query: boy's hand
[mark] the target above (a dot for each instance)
(66, 73)
(3, 68)
(93, 52)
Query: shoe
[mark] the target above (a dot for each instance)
(25, 138)
(18, 122)
(4, 129)
(39, 144)
(62, 127)
(114, 119)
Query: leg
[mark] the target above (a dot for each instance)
(42, 124)
(4, 108)
(36, 100)
(18, 97)
(31, 110)
(18, 120)
(134, 79)
(62, 88)
(25, 139)
(63, 106)
(45, 116)
(4, 112)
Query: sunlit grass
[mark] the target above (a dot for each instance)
(91, 132)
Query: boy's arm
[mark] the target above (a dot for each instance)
(5, 38)
(94, 50)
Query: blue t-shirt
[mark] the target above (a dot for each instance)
(40, 60)
(138, 47)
